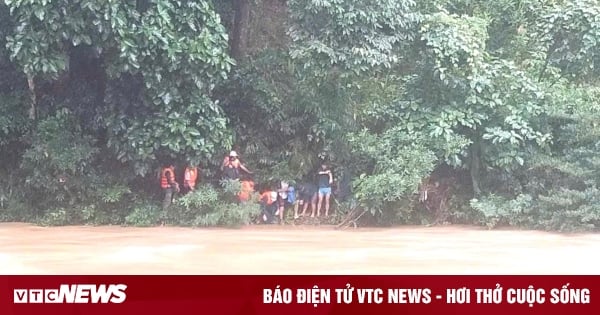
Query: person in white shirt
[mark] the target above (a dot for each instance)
(282, 199)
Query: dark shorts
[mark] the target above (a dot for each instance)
(282, 202)
(308, 197)
(270, 209)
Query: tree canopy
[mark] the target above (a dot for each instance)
(483, 111)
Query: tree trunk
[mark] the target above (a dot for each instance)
(241, 20)
(32, 108)
(475, 167)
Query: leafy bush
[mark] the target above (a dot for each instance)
(14, 210)
(569, 210)
(564, 210)
(57, 217)
(200, 202)
(460, 211)
(231, 188)
(229, 214)
(207, 206)
(109, 204)
(503, 211)
(399, 163)
(55, 174)
(13, 119)
(144, 214)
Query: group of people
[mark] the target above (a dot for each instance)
(230, 167)
(317, 196)
(273, 200)
(170, 186)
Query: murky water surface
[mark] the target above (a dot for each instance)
(27, 249)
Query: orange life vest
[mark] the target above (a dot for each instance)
(246, 191)
(191, 174)
(164, 183)
(267, 197)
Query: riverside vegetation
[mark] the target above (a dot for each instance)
(462, 111)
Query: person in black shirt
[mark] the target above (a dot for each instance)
(231, 166)
(325, 179)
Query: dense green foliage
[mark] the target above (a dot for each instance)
(484, 112)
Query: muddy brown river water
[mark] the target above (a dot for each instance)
(27, 249)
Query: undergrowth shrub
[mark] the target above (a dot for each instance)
(229, 214)
(561, 210)
(58, 176)
(209, 206)
(399, 163)
(13, 206)
(143, 214)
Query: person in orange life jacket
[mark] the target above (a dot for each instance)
(168, 184)
(190, 177)
(231, 167)
(268, 205)
(325, 179)
(246, 190)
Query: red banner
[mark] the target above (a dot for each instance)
(302, 295)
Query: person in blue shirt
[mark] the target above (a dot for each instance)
(325, 180)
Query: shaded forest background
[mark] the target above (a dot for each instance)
(461, 111)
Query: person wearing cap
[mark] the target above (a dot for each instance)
(231, 166)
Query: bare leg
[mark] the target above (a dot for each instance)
(281, 208)
(304, 208)
(327, 204)
(319, 202)
(313, 205)
(296, 204)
